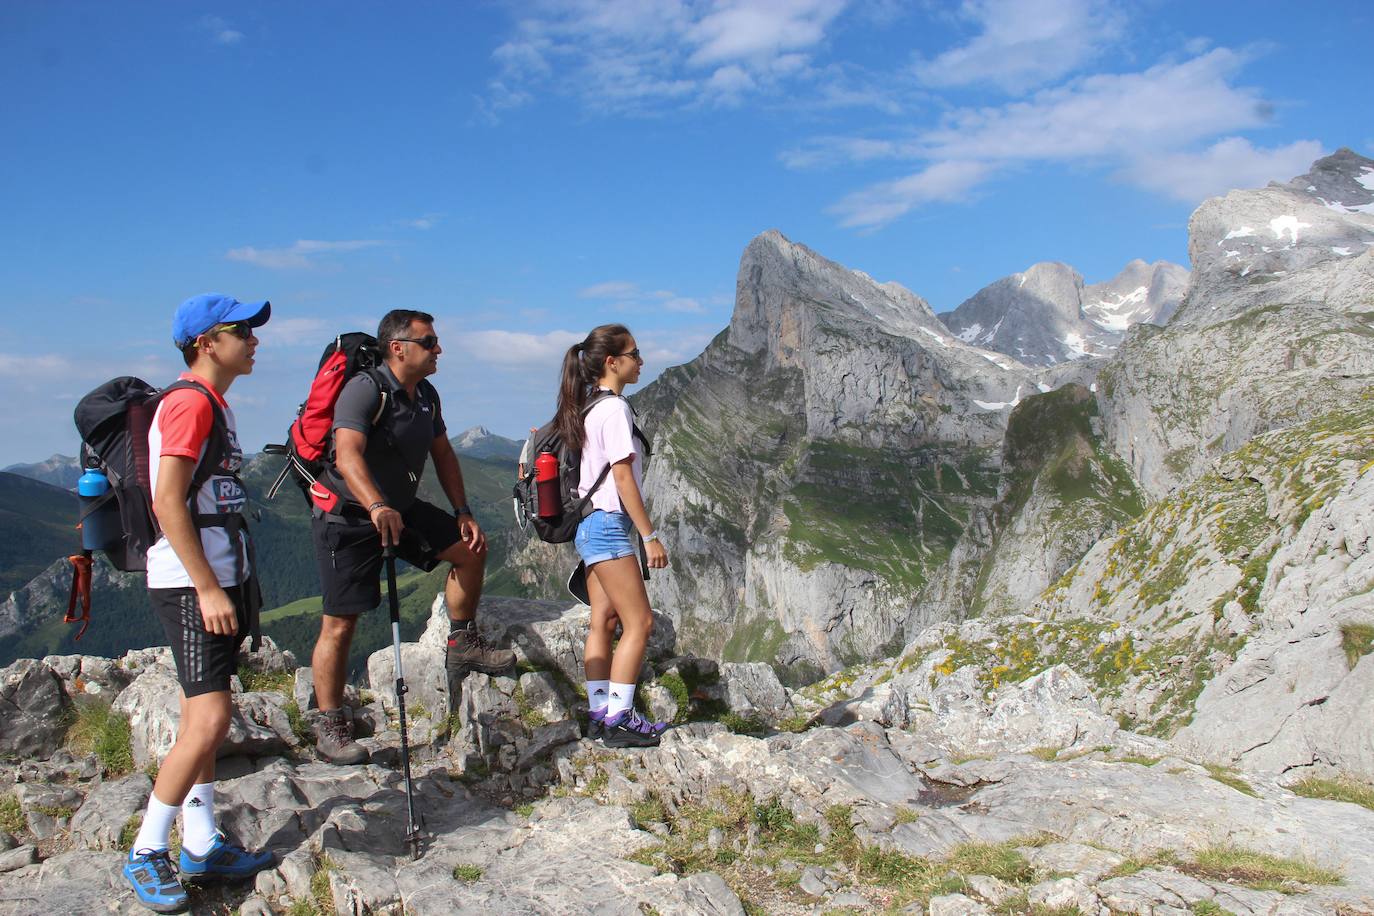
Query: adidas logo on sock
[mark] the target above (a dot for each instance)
(195, 803)
(599, 692)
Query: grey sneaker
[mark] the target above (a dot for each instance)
(334, 738)
(467, 651)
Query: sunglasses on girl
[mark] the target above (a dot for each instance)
(428, 342)
(633, 354)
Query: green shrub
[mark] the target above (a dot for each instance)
(99, 730)
(465, 871)
(1229, 777)
(1357, 641)
(1340, 789)
(1259, 870)
(11, 814)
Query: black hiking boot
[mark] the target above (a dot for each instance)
(468, 651)
(334, 739)
(630, 729)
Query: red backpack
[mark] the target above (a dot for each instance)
(307, 445)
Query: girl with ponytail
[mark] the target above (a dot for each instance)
(607, 361)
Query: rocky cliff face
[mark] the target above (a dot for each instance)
(1046, 315)
(1276, 326)
(817, 464)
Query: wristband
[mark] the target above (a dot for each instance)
(651, 536)
(462, 510)
(379, 504)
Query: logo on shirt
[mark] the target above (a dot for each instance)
(229, 494)
(233, 458)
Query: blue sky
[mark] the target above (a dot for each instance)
(527, 170)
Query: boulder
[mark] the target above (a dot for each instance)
(107, 809)
(753, 689)
(33, 709)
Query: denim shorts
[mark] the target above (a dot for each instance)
(604, 536)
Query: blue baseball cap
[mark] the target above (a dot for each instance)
(200, 313)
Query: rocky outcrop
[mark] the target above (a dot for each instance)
(1275, 327)
(904, 783)
(1061, 491)
(817, 464)
(1046, 315)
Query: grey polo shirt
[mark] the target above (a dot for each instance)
(399, 446)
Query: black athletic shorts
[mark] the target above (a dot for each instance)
(349, 554)
(205, 661)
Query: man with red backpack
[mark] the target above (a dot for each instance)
(202, 587)
(387, 423)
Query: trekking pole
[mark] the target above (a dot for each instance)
(412, 824)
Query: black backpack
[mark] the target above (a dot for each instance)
(561, 528)
(114, 421)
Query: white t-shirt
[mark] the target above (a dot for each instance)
(181, 427)
(610, 438)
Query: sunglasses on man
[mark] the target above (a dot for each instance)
(428, 342)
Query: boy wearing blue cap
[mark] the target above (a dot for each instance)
(202, 587)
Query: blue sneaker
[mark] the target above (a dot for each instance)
(154, 880)
(226, 859)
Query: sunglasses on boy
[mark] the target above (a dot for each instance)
(242, 330)
(428, 342)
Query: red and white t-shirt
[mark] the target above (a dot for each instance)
(182, 427)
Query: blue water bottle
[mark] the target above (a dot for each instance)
(100, 527)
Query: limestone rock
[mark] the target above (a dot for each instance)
(752, 688)
(107, 809)
(32, 704)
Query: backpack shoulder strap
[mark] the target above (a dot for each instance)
(383, 396)
(217, 444)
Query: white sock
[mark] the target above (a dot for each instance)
(622, 698)
(198, 827)
(598, 695)
(156, 828)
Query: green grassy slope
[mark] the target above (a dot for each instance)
(37, 525)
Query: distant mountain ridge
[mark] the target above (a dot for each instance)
(1045, 315)
(59, 470)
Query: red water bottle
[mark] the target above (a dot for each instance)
(546, 478)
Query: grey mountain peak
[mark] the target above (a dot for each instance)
(1045, 315)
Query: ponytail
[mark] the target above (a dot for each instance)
(582, 368)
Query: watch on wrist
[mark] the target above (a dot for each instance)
(651, 536)
(461, 511)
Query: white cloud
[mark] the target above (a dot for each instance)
(611, 289)
(759, 30)
(297, 332)
(302, 254)
(1225, 165)
(626, 295)
(43, 367)
(221, 31)
(1143, 125)
(1166, 106)
(882, 203)
(683, 304)
(519, 349)
(423, 223)
(636, 55)
(1025, 43)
